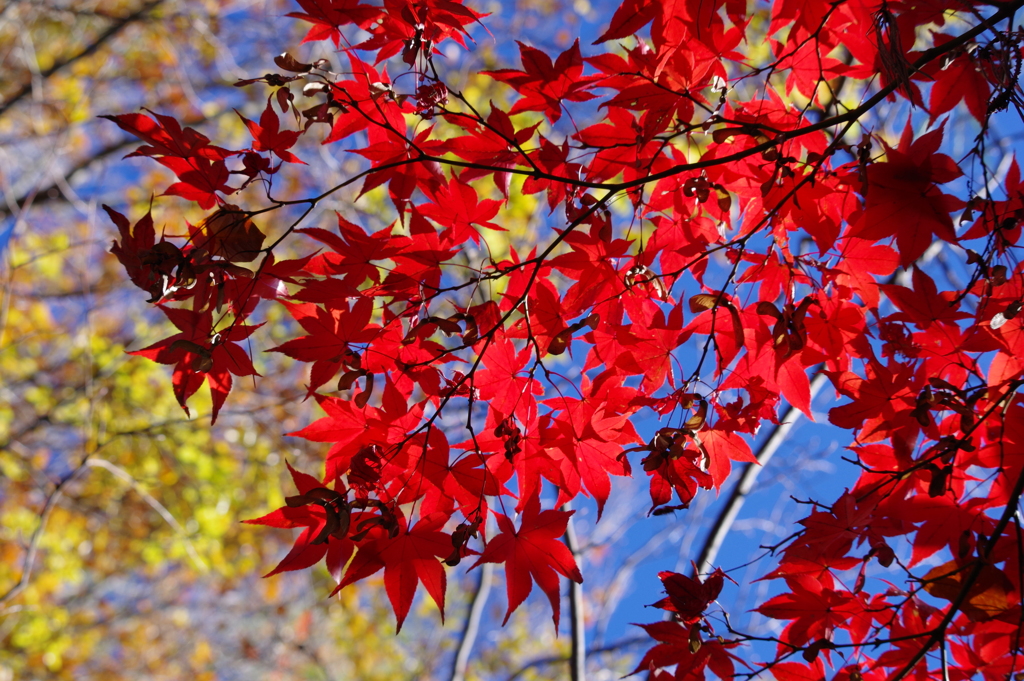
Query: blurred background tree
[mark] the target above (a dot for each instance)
(121, 550)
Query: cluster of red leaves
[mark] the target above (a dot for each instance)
(682, 640)
(400, 327)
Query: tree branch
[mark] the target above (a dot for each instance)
(727, 516)
(51, 501)
(154, 504)
(850, 116)
(938, 635)
(43, 195)
(33, 544)
(738, 496)
(555, 659)
(578, 649)
(472, 626)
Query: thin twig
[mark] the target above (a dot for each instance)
(47, 194)
(32, 552)
(155, 505)
(33, 544)
(738, 496)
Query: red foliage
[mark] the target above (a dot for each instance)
(803, 228)
(533, 551)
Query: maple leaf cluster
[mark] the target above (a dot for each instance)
(762, 246)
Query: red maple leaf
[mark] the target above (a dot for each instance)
(198, 354)
(676, 644)
(367, 104)
(959, 77)
(809, 69)
(201, 179)
(860, 260)
(135, 252)
(501, 381)
(456, 206)
(492, 145)
(441, 483)
(923, 305)
(353, 252)
(554, 160)
(166, 137)
(689, 597)
(629, 18)
(306, 552)
(532, 553)
(328, 16)
(903, 200)
(545, 85)
(525, 449)
(881, 402)
(331, 330)
(591, 432)
(695, 175)
(723, 445)
(401, 165)
(415, 27)
(409, 558)
(345, 424)
(268, 136)
(815, 610)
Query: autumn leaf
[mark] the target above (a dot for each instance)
(903, 198)
(409, 558)
(230, 234)
(268, 136)
(712, 233)
(198, 358)
(688, 597)
(544, 84)
(815, 610)
(533, 553)
(987, 593)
